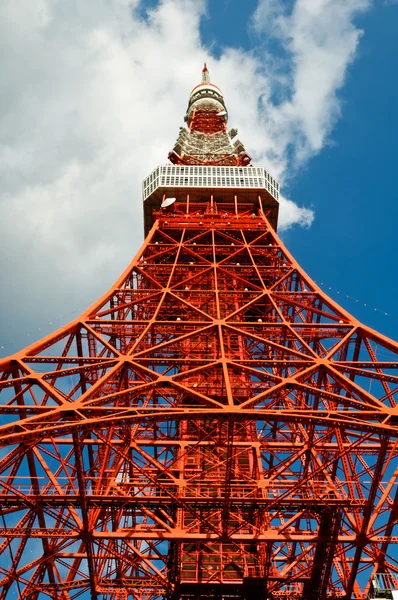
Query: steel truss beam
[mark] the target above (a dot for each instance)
(214, 423)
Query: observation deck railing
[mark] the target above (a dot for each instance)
(202, 176)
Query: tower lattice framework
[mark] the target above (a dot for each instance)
(214, 426)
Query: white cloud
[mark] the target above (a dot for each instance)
(320, 39)
(92, 95)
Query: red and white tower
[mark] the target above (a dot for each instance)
(214, 426)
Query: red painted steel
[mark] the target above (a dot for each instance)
(213, 427)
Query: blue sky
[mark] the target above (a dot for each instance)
(93, 95)
(351, 246)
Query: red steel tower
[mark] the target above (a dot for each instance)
(214, 426)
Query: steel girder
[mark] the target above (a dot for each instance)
(213, 426)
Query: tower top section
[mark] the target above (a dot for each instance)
(207, 140)
(206, 96)
(209, 162)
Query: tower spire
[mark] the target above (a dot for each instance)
(207, 115)
(205, 74)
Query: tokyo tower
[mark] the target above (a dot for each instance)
(213, 427)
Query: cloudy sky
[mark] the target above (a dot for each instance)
(92, 94)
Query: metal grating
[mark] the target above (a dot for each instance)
(200, 176)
